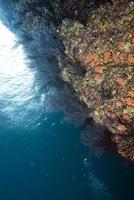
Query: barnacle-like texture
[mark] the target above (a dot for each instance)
(22, 5)
(102, 71)
(73, 9)
(34, 15)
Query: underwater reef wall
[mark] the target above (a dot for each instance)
(101, 72)
(93, 42)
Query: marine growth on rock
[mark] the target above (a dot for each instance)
(99, 67)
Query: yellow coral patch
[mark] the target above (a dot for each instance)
(121, 46)
(131, 93)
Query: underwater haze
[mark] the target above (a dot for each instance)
(41, 156)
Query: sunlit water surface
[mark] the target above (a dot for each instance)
(40, 155)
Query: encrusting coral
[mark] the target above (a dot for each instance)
(100, 68)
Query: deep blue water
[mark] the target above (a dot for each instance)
(42, 163)
(41, 156)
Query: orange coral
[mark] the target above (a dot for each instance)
(98, 77)
(125, 117)
(98, 69)
(121, 128)
(120, 81)
(91, 58)
(129, 101)
(130, 59)
(93, 64)
(107, 55)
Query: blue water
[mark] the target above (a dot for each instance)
(41, 156)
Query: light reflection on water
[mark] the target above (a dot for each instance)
(17, 92)
(38, 156)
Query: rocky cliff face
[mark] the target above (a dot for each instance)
(94, 44)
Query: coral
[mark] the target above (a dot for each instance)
(104, 51)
